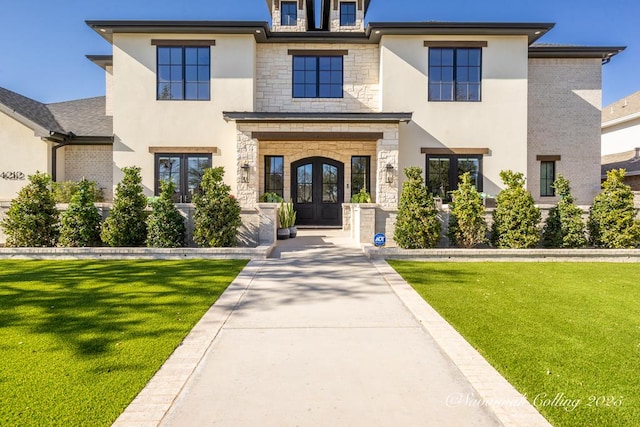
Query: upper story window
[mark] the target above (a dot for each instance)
(455, 74)
(289, 13)
(184, 73)
(347, 14)
(317, 76)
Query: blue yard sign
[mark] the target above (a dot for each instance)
(379, 240)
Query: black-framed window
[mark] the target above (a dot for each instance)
(347, 13)
(444, 171)
(547, 178)
(184, 170)
(184, 73)
(360, 174)
(317, 76)
(455, 74)
(274, 175)
(289, 13)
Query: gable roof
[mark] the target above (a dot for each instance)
(627, 106)
(29, 112)
(82, 117)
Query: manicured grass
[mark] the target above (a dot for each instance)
(557, 331)
(79, 339)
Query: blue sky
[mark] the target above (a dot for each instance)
(43, 43)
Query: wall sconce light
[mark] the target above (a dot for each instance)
(389, 170)
(245, 172)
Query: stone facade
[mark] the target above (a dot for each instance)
(335, 19)
(384, 151)
(276, 16)
(565, 99)
(274, 79)
(93, 162)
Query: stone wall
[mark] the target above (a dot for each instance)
(334, 18)
(565, 97)
(274, 79)
(276, 16)
(93, 162)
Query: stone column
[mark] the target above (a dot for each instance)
(247, 155)
(387, 151)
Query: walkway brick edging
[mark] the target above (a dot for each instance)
(495, 392)
(154, 401)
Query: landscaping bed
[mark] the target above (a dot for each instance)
(80, 339)
(566, 335)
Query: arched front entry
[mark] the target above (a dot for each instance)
(317, 191)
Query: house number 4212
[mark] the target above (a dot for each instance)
(12, 176)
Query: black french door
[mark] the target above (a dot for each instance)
(317, 191)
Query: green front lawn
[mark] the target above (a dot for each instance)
(79, 339)
(567, 335)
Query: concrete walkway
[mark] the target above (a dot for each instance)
(320, 336)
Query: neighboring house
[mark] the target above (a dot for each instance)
(621, 125)
(628, 160)
(314, 111)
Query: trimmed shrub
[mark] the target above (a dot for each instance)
(612, 218)
(417, 224)
(165, 225)
(63, 191)
(516, 219)
(271, 198)
(467, 227)
(126, 224)
(564, 227)
(361, 197)
(217, 212)
(32, 219)
(80, 225)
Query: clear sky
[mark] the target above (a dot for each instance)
(43, 42)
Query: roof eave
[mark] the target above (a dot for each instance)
(249, 117)
(102, 61)
(39, 131)
(375, 30)
(605, 53)
(106, 29)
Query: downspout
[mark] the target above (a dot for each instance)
(54, 153)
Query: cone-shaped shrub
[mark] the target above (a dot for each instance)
(81, 221)
(217, 212)
(612, 217)
(564, 227)
(417, 224)
(126, 224)
(516, 219)
(165, 225)
(467, 227)
(32, 219)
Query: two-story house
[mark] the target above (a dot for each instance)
(315, 111)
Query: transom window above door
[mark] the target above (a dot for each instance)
(184, 170)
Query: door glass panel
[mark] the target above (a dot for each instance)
(305, 184)
(196, 166)
(438, 180)
(470, 165)
(329, 184)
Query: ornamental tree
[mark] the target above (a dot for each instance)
(516, 219)
(32, 219)
(165, 225)
(467, 227)
(417, 224)
(126, 224)
(564, 227)
(81, 221)
(612, 218)
(217, 212)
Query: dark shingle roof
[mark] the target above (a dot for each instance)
(626, 160)
(83, 117)
(30, 109)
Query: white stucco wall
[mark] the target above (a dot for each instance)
(565, 101)
(140, 121)
(109, 90)
(620, 137)
(274, 79)
(498, 122)
(23, 155)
